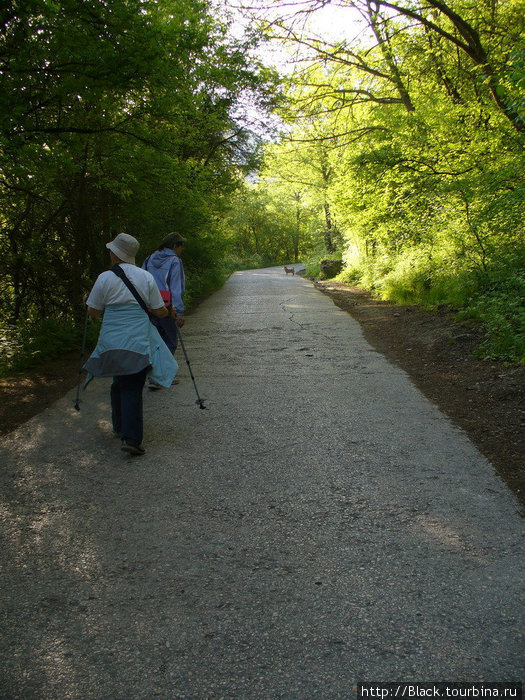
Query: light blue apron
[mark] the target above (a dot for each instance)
(128, 343)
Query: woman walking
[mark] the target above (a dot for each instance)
(166, 266)
(129, 347)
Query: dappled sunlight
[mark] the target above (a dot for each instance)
(105, 425)
(49, 528)
(56, 473)
(59, 662)
(320, 495)
(323, 522)
(297, 307)
(445, 536)
(51, 471)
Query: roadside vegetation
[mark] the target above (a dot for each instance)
(399, 151)
(115, 116)
(403, 154)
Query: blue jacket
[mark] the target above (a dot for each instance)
(168, 271)
(128, 343)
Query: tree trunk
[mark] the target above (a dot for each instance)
(328, 240)
(255, 238)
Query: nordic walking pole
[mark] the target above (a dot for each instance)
(199, 400)
(82, 351)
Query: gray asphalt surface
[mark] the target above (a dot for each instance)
(322, 524)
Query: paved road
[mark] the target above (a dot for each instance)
(320, 525)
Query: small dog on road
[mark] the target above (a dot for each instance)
(289, 269)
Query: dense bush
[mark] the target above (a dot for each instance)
(500, 306)
(113, 117)
(409, 140)
(494, 296)
(32, 341)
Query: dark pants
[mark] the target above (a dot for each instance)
(126, 405)
(167, 331)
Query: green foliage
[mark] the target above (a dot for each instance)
(313, 262)
(495, 296)
(418, 277)
(422, 131)
(232, 263)
(267, 222)
(34, 340)
(115, 117)
(202, 284)
(405, 152)
(500, 306)
(112, 117)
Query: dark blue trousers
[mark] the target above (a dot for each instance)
(126, 405)
(167, 331)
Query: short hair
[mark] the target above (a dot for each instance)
(171, 241)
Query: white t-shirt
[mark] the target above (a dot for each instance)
(110, 289)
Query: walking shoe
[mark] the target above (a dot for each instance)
(153, 386)
(132, 447)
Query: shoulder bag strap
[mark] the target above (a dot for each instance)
(120, 273)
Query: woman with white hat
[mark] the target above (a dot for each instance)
(129, 346)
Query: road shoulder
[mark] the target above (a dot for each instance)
(485, 398)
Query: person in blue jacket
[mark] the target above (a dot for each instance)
(166, 266)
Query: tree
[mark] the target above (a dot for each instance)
(485, 33)
(421, 155)
(113, 116)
